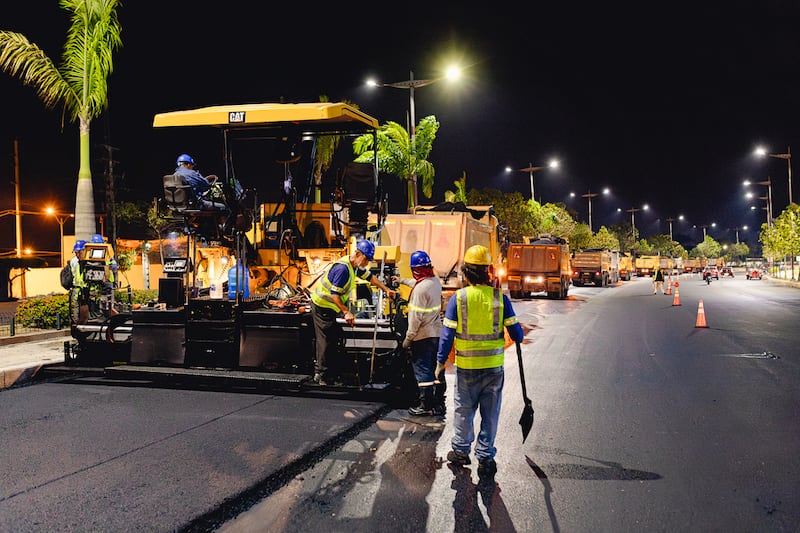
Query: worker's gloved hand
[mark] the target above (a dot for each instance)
(439, 372)
(349, 318)
(392, 294)
(406, 343)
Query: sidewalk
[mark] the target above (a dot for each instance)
(22, 356)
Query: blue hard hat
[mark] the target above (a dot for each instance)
(79, 245)
(420, 259)
(185, 158)
(98, 239)
(366, 248)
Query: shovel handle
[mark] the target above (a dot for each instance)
(522, 373)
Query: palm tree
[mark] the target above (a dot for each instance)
(79, 84)
(397, 155)
(325, 146)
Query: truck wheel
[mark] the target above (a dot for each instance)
(517, 295)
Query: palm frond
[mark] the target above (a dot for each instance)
(87, 60)
(25, 60)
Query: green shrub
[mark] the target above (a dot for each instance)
(42, 312)
(138, 296)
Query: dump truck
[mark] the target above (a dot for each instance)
(595, 266)
(543, 265)
(445, 231)
(646, 264)
(667, 265)
(694, 264)
(625, 266)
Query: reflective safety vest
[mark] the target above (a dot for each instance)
(322, 293)
(479, 339)
(77, 273)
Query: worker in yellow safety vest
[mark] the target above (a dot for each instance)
(331, 297)
(474, 320)
(79, 310)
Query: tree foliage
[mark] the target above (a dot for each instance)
(708, 248)
(604, 239)
(460, 194)
(79, 83)
(511, 210)
(397, 154)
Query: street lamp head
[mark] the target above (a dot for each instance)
(453, 72)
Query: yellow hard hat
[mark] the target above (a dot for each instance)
(478, 255)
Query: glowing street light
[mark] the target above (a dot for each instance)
(60, 218)
(531, 169)
(761, 152)
(767, 198)
(452, 73)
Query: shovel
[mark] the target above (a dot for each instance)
(526, 420)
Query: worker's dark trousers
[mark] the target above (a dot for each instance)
(328, 335)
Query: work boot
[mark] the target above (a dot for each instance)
(457, 458)
(487, 468)
(319, 379)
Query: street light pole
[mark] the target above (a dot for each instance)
(411, 84)
(632, 211)
(768, 198)
(590, 195)
(60, 218)
(670, 220)
(531, 169)
(760, 151)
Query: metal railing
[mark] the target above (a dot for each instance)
(10, 326)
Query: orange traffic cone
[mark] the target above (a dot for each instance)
(669, 286)
(701, 316)
(677, 299)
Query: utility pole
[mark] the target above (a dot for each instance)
(111, 200)
(17, 214)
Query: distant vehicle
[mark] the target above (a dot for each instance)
(595, 266)
(710, 272)
(625, 266)
(754, 274)
(646, 264)
(542, 265)
(726, 271)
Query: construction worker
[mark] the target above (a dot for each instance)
(79, 309)
(474, 320)
(331, 297)
(658, 280)
(111, 267)
(422, 335)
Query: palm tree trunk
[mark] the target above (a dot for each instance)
(84, 195)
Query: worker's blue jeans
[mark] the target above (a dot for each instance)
(477, 390)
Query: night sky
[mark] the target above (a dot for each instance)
(664, 106)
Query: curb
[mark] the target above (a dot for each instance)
(23, 372)
(12, 377)
(31, 337)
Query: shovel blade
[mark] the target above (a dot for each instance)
(526, 420)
